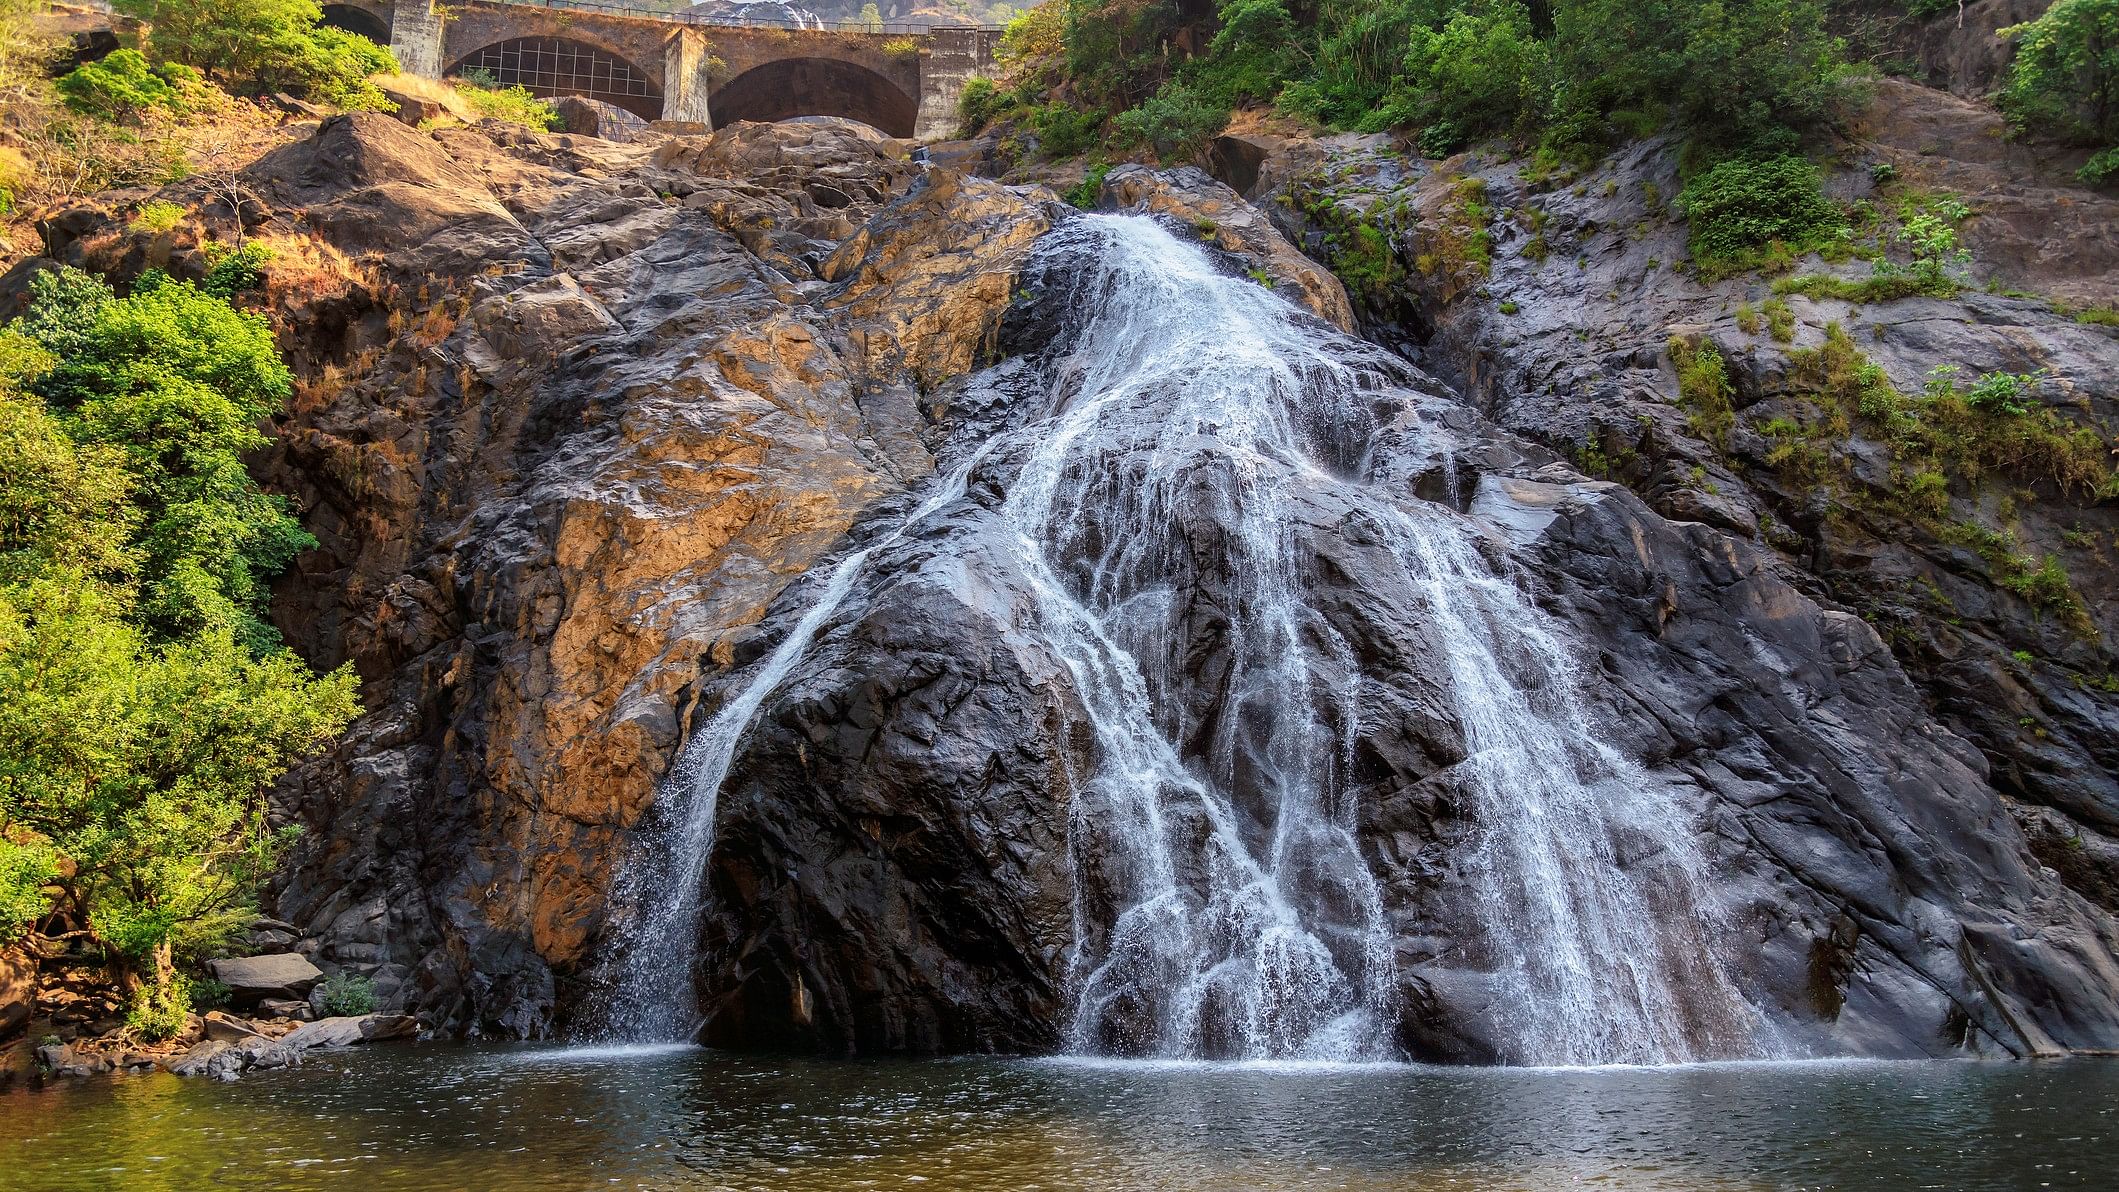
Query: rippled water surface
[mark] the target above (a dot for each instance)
(434, 1117)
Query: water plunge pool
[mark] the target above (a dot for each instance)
(544, 1117)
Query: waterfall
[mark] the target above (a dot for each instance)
(1200, 415)
(1196, 436)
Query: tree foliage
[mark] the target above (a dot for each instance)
(1744, 205)
(2065, 79)
(258, 47)
(144, 704)
(1738, 76)
(123, 84)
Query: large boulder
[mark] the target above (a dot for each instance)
(277, 975)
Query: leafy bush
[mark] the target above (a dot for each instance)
(160, 1009)
(1704, 389)
(1745, 205)
(512, 104)
(123, 84)
(177, 381)
(235, 270)
(259, 47)
(2003, 393)
(1084, 194)
(1176, 122)
(1745, 76)
(208, 994)
(347, 994)
(157, 215)
(2065, 78)
(976, 106)
(1064, 130)
(1482, 72)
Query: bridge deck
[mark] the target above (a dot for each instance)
(687, 16)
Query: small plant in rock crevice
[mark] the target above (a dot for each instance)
(348, 995)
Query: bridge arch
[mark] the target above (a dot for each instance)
(555, 66)
(789, 87)
(355, 19)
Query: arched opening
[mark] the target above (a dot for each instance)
(814, 87)
(555, 66)
(357, 20)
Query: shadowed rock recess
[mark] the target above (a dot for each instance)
(598, 420)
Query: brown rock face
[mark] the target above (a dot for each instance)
(615, 398)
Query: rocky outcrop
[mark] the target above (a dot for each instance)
(274, 975)
(581, 420)
(575, 411)
(1224, 220)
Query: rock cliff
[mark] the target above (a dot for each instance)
(581, 416)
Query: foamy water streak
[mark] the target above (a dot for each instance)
(663, 884)
(1194, 410)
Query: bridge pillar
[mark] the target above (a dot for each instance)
(950, 58)
(415, 38)
(685, 77)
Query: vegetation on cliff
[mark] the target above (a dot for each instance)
(2065, 79)
(146, 703)
(1567, 76)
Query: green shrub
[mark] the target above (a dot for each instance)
(159, 1011)
(258, 47)
(348, 995)
(1744, 208)
(1704, 389)
(235, 270)
(1064, 130)
(1481, 73)
(2003, 393)
(976, 106)
(1176, 122)
(156, 215)
(208, 994)
(513, 104)
(1084, 194)
(123, 85)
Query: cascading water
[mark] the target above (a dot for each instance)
(1195, 426)
(1194, 410)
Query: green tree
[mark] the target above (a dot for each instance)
(137, 738)
(1740, 74)
(143, 766)
(1481, 73)
(264, 46)
(177, 382)
(2065, 79)
(123, 84)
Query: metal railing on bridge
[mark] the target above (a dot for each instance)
(691, 16)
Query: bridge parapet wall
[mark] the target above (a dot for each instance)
(689, 63)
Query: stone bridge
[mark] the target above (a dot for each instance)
(671, 66)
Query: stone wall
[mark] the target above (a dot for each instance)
(761, 73)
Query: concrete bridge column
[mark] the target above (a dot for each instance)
(415, 37)
(685, 80)
(949, 57)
